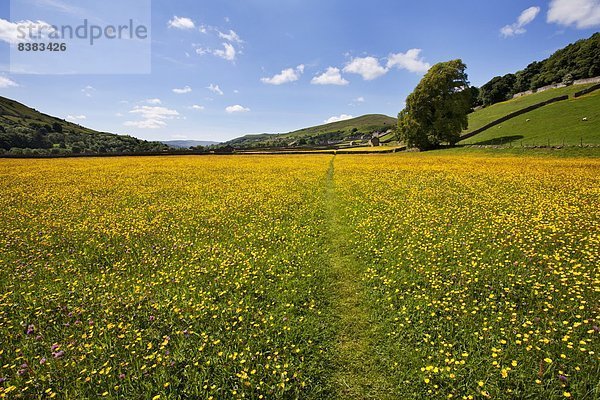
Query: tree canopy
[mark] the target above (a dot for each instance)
(436, 111)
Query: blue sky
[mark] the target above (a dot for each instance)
(221, 69)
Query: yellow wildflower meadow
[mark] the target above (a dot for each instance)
(211, 277)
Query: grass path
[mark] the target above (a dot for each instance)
(356, 375)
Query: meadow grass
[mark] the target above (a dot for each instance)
(433, 275)
(488, 114)
(556, 124)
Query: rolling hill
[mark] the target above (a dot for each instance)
(352, 129)
(486, 115)
(569, 122)
(24, 130)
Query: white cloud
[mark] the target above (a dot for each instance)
(342, 117)
(518, 28)
(330, 77)
(181, 23)
(215, 89)
(75, 118)
(152, 117)
(9, 30)
(227, 53)
(287, 75)
(231, 37)
(236, 109)
(88, 91)
(197, 107)
(359, 99)
(581, 13)
(368, 67)
(7, 82)
(182, 90)
(409, 61)
(154, 101)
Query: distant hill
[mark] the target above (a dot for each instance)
(351, 129)
(186, 144)
(24, 130)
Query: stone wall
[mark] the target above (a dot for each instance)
(558, 85)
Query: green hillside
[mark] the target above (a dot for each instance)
(24, 130)
(348, 130)
(486, 115)
(554, 124)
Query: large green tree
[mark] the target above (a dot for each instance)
(436, 112)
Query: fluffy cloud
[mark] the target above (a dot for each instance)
(231, 37)
(330, 77)
(342, 117)
(181, 23)
(409, 61)
(197, 107)
(75, 118)
(10, 34)
(227, 53)
(367, 67)
(518, 28)
(359, 99)
(215, 89)
(6, 82)
(582, 14)
(152, 117)
(236, 109)
(182, 90)
(287, 75)
(153, 101)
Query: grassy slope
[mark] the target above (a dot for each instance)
(492, 113)
(15, 113)
(364, 124)
(557, 123)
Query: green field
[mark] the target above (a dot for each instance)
(555, 124)
(403, 276)
(489, 114)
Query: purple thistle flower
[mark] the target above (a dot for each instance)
(43, 361)
(30, 329)
(152, 318)
(54, 347)
(121, 376)
(596, 328)
(2, 380)
(562, 378)
(58, 354)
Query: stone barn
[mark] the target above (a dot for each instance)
(375, 142)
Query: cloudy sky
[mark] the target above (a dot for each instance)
(227, 68)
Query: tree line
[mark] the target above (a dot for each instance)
(38, 138)
(579, 60)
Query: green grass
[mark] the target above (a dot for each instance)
(543, 152)
(15, 113)
(486, 115)
(555, 124)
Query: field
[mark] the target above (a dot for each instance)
(435, 275)
(555, 124)
(498, 110)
